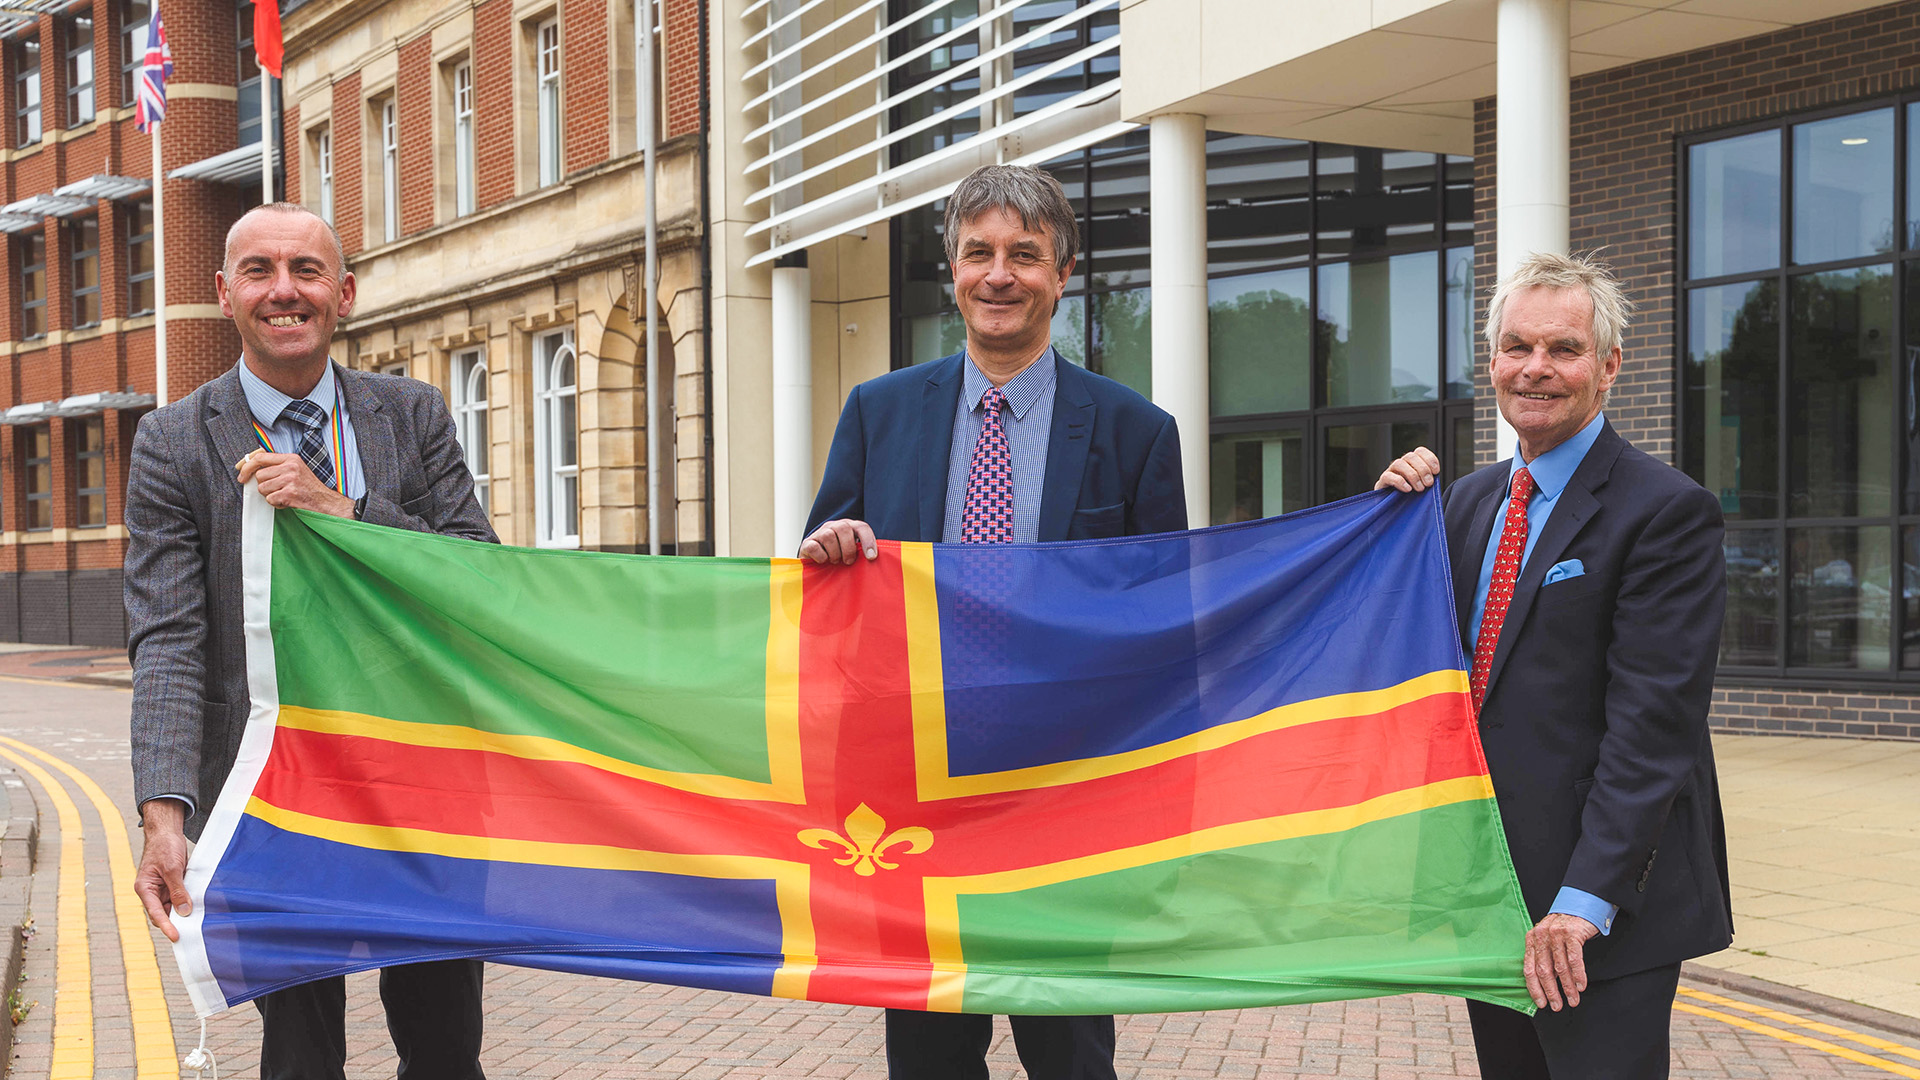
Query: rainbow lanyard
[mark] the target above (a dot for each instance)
(339, 438)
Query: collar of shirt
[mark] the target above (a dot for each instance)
(1553, 470)
(267, 404)
(1023, 390)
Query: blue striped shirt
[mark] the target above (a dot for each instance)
(267, 404)
(1028, 419)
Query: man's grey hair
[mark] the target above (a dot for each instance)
(339, 249)
(1611, 308)
(1030, 194)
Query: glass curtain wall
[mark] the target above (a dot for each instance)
(1800, 337)
(1341, 294)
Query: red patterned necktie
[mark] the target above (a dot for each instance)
(1506, 570)
(987, 515)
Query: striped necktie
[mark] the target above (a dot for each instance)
(313, 441)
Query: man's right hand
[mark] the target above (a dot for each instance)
(842, 541)
(161, 880)
(1413, 472)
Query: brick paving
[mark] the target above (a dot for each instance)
(543, 1024)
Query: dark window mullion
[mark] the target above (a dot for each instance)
(1783, 606)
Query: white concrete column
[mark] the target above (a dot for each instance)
(1531, 132)
(792, 403)
(1177, 187)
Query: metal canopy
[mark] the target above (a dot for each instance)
(78, 197)
(103, 186)
(241, 165)
(78, 405)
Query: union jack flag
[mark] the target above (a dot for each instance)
(151, 105)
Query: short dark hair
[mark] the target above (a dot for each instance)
(1030, 194)
(339, 249)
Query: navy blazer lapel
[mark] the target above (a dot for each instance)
(1067, 443)
(1577, 506)
(372, 432)
(939, 401)
(230, 420)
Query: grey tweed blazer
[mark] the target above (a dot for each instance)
(183, 593)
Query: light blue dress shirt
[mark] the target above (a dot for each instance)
(267, 404)
(1552, 471)
(1028, 419)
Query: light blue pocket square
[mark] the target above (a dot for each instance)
(1561, 571)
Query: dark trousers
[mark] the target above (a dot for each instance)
(1619, 1031)
(433, 1014)
(953, 1046)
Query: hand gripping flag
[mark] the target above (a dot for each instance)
(1216, 769)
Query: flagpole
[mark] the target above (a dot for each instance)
(266, 135)
(159, 275)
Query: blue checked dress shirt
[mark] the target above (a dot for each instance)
(267, 404)
(1028, 418)
(1551, 471)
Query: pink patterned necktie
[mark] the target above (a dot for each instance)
(987, 515)
(1506, 570)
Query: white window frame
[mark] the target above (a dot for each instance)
(550, 477)
(324, 155)
(546, 39)
(470, 419)
(390, 168)
(463, 142)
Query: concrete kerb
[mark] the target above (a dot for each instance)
(1851, 1012)
(19, 847)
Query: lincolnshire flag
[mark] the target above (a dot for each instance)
(1224, 768)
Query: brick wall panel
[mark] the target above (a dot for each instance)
(415, 89)
(349, 191)
(493, 102)
(293, 151)
(680, 48)
(585, 90)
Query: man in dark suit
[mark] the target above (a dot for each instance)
(1589, 582)
(317, 437)
(1005, 442)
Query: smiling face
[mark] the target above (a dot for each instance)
(1547, 375)
(1006, 284)
(284, 290)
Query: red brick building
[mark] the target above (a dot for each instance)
(77, 296)
(482, 164)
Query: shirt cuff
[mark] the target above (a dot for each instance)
(181, 799)
(1572, 901)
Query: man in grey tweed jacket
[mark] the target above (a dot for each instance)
(394, 461)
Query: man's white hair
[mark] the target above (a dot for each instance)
(1611, 308)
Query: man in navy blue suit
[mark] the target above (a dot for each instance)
(1004, 442)
(1589, 583)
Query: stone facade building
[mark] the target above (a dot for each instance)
(481, 163)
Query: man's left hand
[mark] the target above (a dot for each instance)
(289, 485)
(1556, 962)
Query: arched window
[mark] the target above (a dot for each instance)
(469, 385)
(556, 440)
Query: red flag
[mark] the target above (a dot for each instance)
(266, 35)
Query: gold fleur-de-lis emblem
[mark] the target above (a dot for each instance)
(868, 841)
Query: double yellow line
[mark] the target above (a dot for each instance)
(153, 1047)
(1688, 995)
